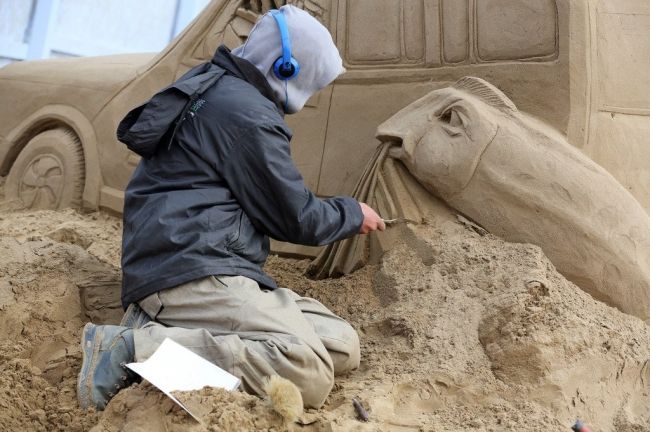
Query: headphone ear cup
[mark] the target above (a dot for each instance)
(296, 67)
(283, 73)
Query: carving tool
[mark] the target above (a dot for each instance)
(398, 221)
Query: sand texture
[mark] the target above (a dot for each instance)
(459, 331)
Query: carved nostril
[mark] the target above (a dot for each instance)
(409, 143)
(395, 142)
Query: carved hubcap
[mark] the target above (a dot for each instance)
(41, 185)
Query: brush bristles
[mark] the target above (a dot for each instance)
(285, 398)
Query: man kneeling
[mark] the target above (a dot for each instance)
(215, 182)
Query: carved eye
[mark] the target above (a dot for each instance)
(451, 117)
(451, 121)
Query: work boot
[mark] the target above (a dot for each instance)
(134, 317)
(106, 350)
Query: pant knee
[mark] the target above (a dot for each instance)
(314, 379)
(347, 355)
(315, 392)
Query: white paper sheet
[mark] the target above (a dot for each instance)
(175, 368)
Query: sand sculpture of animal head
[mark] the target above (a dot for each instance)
(444, 134)
(519, 178)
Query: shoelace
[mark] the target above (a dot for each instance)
(126, 380)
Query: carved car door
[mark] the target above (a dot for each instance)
(619, 121)
(379, 40)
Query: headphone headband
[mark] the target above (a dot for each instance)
(285, 67)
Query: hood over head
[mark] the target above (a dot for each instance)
(144, 128)
(312, 47)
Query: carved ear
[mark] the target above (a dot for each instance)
(487, 93)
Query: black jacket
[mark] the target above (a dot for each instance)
(216, 180)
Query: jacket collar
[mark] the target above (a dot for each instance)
(246, 71)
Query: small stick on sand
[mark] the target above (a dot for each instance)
(362, 414)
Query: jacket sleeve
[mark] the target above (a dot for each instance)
(263, 178)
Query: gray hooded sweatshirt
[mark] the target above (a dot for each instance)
(312, 46)
(217, 179)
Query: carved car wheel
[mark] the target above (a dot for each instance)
(49, 172)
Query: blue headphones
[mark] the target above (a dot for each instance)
(285, 67)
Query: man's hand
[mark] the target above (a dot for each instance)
(371, 220)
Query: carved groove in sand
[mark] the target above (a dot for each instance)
(520, 179)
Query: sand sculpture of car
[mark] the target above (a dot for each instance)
(580, 65)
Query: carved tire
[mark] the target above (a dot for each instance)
(49, 172)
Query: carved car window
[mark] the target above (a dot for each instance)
(232, 34)
(516, 29)
(239, 26)
(421, 33)
(377, 34)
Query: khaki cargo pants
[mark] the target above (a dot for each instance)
(253, 333)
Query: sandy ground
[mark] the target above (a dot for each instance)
(459, 331)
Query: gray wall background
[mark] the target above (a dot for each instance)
(35, 29)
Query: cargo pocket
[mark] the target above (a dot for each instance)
(152, 305)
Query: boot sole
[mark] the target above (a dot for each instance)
(90, 348)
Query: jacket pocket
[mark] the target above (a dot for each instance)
(246, 241)
(233, 242)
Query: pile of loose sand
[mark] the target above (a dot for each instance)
(459, 332)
